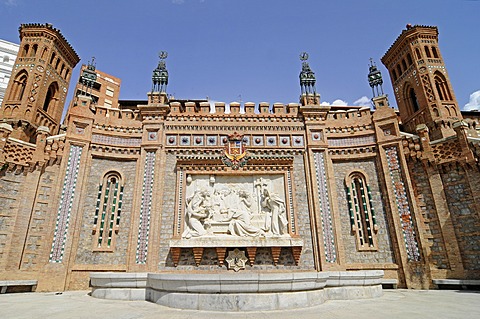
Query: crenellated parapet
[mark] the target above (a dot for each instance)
(459, 148)
(234, 109)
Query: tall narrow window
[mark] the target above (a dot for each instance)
(413, 100)
(26, 47)
(394, 74)
(34, 50)
(399, 69)
(417, 51)
(52, 58)
(409, 59)
(427, 52)
(19, 84)
(51, 97)
(44, 53)
(362, 214)
(404, 64)
(441, 86)
(435, 53)
(108, 210)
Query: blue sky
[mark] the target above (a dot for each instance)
(248, 50)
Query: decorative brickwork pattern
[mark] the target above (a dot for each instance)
(351, 141)
(147, 189)
(447, 152)
(18, 152)
(65, 206)
(403, 204)
(324, 204)
(114, 140)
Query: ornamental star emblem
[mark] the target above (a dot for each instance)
(236, 259)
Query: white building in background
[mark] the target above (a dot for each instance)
(8, 54)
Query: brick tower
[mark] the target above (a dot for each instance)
(419, 77)
(38, 87)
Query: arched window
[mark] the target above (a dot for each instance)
(404, 65)
(362, 214)
(417, 51)
(19, 85)
(442, 86)
(399, 69)
(6, 58)
(44, 53)
(413, 100)
(409, 59)
(52, 58)
(51, 97)
(427, 52)
(34, 50)
(108, 210)
(394, 74)
(26, 47)
(434, 52)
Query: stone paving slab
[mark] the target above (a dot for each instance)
(393, 304)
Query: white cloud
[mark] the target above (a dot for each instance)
(474, 103)
(363, 101)
(337, 102)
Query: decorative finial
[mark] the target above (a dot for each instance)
(88, 77)
(162, 55)
(160, 74)
(307, 76)
(375, 79)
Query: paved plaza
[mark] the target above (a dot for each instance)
(393, 304)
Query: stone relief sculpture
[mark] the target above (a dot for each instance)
(197, 213)
(241, 206)
(275, 219)
(240, 219)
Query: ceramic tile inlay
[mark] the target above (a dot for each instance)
(144, 225)
(403, 206)
(324, 204)
(65, 206)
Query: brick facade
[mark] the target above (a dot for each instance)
(110, 193)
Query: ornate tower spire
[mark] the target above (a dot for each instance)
(37, 90)
(160, 74)
(375, 80)
(419, 77)
(307, 83)
(88, 78)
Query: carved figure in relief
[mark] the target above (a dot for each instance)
(275, 219)
(198, 212)
(240, 218)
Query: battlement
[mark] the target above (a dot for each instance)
(222, 109)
